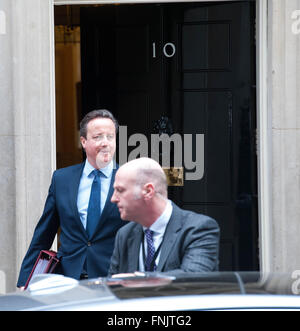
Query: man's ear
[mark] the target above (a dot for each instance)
(148, 191)
(83, 142)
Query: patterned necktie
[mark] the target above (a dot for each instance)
(149, 265)
(94, 208)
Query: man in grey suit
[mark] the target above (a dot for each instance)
(161, 237)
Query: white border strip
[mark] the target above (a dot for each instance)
(52, 91)
(52, 97)
(264, 139)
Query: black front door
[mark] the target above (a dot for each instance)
(190, 67)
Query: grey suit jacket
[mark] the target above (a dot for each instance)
(190, 244)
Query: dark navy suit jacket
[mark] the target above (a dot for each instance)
(75, 245)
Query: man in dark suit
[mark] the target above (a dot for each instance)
(162, 237)
(87, 231)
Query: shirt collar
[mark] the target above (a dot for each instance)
(159, 226)
(106, 171)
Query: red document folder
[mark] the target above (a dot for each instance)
(45, 264)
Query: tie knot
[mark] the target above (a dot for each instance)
(96, 172)
(149, 233)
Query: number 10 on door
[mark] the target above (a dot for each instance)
(169, 50)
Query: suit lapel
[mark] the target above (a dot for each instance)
(74, 186)
(170, 236)
(134, 244)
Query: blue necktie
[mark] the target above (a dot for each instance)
(94, 208)
(150, 264)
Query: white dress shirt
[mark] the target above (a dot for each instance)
(158, 228)
(85, 186)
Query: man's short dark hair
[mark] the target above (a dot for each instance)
(98, 113)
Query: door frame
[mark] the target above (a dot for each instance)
(264, 133)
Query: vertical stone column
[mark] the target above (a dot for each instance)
(7, 153)
(34, 113)
(284, 91)
(27, 130)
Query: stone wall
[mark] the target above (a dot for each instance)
(27, 131)
(284, 89)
